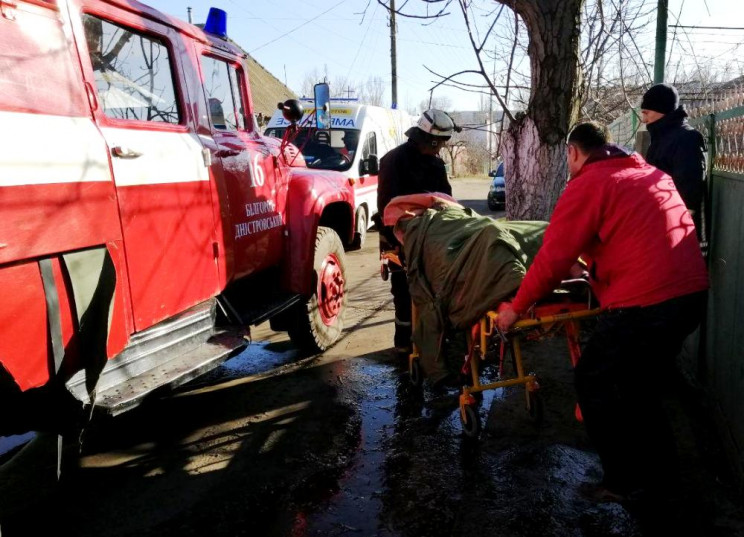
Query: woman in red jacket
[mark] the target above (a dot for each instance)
(626, 219)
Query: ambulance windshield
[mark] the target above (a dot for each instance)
(326, 150)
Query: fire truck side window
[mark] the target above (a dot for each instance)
(226, 109)
(133, 73)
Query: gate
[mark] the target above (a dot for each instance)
(722, 365)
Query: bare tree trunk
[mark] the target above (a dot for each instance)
(535, 172)
(534, 143)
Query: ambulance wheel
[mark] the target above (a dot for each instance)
(415, 373)
(471, 424)
(360, 233)
(536, 409)
(318, 322)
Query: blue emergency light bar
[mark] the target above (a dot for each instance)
(216, 22)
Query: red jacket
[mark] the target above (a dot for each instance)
(627, 220)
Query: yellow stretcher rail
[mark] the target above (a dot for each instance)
(549, 314)
(563, 314)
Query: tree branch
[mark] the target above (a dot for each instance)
(398, 11)
(463, 7)
(490, 29)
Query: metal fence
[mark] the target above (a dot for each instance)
(723, 126)
(625, 127)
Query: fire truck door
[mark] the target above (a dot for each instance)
(159, 169)
(254, 183)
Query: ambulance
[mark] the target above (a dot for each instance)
(360, 135)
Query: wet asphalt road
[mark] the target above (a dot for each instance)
(274, 444)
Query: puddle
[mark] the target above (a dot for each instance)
(258, 357)
(395, 416)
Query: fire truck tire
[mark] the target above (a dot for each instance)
(319, 321)
(360, 229)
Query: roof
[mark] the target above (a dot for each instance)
(266, 89)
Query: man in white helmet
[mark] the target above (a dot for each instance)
(411, 168)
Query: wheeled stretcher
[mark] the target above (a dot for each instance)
(562, 313)
(459, 267)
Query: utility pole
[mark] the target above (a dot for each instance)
(393, 56)
(188, 10)
(491, 145)
(661, 39)
(489, 129)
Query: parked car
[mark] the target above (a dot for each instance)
(497, 192)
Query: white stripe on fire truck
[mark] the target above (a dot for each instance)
(165, 157)
(40, 149)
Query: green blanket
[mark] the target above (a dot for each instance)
(460, 265)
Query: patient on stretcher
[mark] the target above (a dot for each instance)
(459, 265)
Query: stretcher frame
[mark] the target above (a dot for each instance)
(544, 319)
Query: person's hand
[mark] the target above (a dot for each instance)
(507, 317)
(578, 271)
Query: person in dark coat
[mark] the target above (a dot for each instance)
(676, 148)
(413, 167)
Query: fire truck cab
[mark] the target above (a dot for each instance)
(145, 221)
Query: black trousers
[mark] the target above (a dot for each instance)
(399, 289)
(619, 382)
(402, 303)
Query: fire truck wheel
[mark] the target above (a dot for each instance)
(360, 233)
(319, 321)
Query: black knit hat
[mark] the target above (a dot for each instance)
(662, 98)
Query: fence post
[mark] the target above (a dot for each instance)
(711, 147)
(702, 354)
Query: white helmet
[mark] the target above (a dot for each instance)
(436, 123)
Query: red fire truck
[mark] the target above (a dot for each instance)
(145, 221)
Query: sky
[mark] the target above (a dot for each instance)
(350, 40)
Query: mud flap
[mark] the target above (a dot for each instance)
(55, 336)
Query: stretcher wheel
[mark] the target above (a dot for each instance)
(415, 373)
(536, 406)
(470, 420)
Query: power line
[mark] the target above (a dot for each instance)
(706, 27)
(304, 43)
(674, 35)
(689, 41)
(298, 27)
(361, 44)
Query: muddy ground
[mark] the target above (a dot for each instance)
(275, 444)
